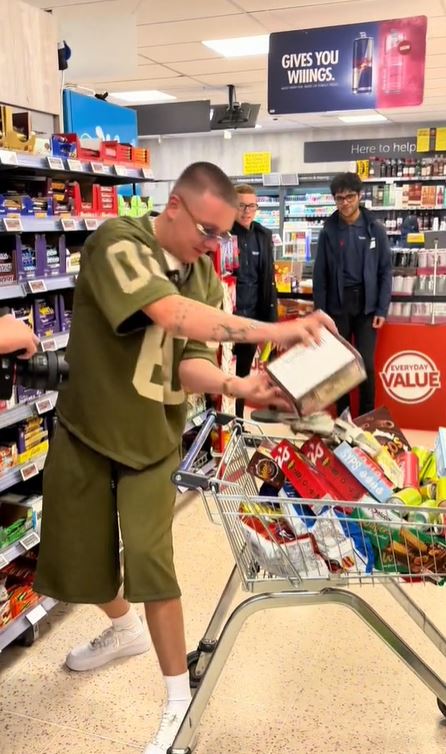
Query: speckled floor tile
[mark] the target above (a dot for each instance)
(17, 729)
(311, 680)
(70, 742)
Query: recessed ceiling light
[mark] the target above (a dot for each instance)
(258, 125)
(142, 97)
(371, 118)
(239, 47)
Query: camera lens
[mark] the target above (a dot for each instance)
(43, 371)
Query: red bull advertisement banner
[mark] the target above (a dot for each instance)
(362, 66)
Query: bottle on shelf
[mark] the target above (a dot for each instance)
(400, 169)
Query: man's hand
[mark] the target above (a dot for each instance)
(378, 322)
(259, 391)
(16, 336)
(305, 330)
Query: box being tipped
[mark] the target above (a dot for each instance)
(315, 376)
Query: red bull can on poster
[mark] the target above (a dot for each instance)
(362, 81)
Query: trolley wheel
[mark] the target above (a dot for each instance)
(192, 662)
(441, 707)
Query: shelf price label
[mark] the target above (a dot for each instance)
(13, 224)
(91, 223)
(37, 286)
(44, 405)
(8, 158)
(56, 163)
(36, 614)
(75, 166)
(147, 173)
(68, 224)
(98, 167)
(3, 561)
(121, 170)
(28, 471)
(49, 345)
(30, 540)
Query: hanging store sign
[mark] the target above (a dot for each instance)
(355, 67)
(256, 162)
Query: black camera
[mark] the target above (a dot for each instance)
(43, 371)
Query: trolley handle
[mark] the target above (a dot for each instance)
(184, 476)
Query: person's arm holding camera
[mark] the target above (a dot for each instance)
(16, 336)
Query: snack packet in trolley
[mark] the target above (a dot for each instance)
(315, 376)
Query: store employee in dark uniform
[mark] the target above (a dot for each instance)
(256, 285)
(353, 277)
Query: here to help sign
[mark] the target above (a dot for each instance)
(411, 374)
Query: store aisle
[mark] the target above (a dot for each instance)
(307, 681)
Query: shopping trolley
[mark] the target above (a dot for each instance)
(307, 570)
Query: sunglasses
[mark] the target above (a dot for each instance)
(209, 233)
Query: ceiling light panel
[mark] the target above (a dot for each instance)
(239, 47)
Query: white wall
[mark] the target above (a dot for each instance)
(173, 154)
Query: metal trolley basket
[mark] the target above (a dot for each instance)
(278, 573)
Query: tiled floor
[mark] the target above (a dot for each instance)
(300, 681)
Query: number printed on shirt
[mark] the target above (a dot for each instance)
(133, 265)
(158, 355)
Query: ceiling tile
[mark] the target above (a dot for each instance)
(197, 30)
(435, 45)
(154, 71)
(170, 86)
(223, 65)
(437, 27)
(172, 53)
(246, 78)
(255, 5)
(177, 10)
(332, 14)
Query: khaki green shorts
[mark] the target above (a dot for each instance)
(83, 494)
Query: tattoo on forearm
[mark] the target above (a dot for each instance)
(181, 317)
(225, 333)
(221, 331)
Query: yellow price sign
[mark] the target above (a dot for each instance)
(440, 140)
(423, 140)
(255, 163)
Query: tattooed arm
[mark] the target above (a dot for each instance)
(186, 318)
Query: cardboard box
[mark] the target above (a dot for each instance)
(314, 377)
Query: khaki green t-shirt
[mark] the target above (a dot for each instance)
(123, 397)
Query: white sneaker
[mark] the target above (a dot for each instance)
(110, 645)
(169, 726)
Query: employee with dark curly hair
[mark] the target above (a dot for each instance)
(352, 278)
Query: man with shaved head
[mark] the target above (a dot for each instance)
(147, 304)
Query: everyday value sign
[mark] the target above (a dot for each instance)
(410, 372)
(353, 67)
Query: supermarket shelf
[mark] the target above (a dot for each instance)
(29, 618)
(14, 476)
(32, 224)
(26, 410)
(302, 296)
(20, 290)
(28, 541)
(418, 298)
(418, 208)
(412, 179)
(268, 205)
(49, 165)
